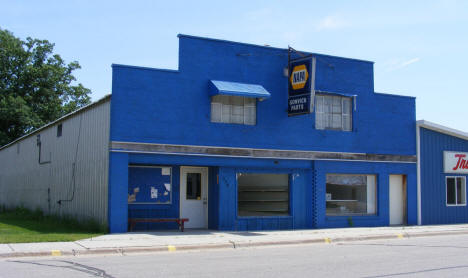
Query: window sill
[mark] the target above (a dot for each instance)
(346, 216)
(333, 130)
(264, 217)
(234, 124)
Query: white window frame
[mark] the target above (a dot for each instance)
(371, 194)
(456, 191)
(343, 115)
(245, 107)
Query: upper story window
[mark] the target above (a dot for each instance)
(59, 130)
(233, 110)
(333, 112)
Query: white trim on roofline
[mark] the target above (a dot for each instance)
(442, 129)
(64, 117)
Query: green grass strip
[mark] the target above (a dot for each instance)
(22, 225)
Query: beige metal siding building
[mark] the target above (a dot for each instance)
(61, 168)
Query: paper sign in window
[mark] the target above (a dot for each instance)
(154, 193)
(148, 185)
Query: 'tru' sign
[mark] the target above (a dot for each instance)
(455, 162)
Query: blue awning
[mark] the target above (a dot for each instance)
(238, 89)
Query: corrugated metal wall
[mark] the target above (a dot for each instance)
(84, 141)
(433, 189)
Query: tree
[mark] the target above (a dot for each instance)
(36, 86)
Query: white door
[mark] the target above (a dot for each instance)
(397, 188)
(194, 196)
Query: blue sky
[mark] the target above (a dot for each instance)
(420, 48)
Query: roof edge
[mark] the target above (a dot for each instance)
(394, 95)
(267, 47)
(442, 129)
(99, 101)
(144, 68)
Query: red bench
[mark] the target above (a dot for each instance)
(179, 221)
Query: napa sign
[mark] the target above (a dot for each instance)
(301, 86)
(299, 76)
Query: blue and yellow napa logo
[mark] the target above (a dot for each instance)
(299, 76)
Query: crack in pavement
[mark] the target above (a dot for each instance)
(73, 266)
(403, 245)
(418, 271)
(81, 245)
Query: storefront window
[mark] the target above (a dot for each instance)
(262, 194)
(350, 194)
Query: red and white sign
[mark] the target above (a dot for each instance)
(455, 162)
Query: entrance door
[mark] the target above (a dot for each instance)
(194, 196)
(397, 188)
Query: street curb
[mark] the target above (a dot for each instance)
(231, 245)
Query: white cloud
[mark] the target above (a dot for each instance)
(398, 64)
(409, 62)
(331, 22)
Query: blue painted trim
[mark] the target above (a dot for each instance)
(265, 217)
(118, 189)
(394, 96)
(231, 42)
(291, 196)
(143, 68)
(334, 94)
(267, 47)
(375, 217)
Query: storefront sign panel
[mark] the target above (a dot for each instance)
(299, 104)
(301, 86)
(455, 162)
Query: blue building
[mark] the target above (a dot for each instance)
(213, 142)
(240, 137)
(442, 171)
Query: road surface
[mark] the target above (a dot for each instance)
(436, 256)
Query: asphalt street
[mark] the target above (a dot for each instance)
(436, 256)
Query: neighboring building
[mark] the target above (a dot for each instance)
(61, 168)
(442, 171)
(213, 142)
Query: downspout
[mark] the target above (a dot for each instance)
(39, 145)
(418, 172)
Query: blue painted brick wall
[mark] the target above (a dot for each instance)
(161, 106)
(173, 107)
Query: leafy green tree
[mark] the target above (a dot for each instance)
(36, 86)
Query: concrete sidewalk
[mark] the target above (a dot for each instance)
(206, 239)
